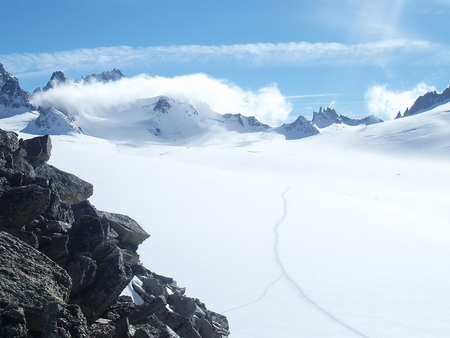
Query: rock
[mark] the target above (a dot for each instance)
(30, 279)
(102, 328)
(86, 234)
(25, 236)
(9, 141)
(82, 270)
(57, 249)
(38, 150)
(111, 278)
(20, 205)
(130, 232)
(185, 306)
(154, 287)
(84, 208)
(12, 321)
(64, 321)
(71, 189)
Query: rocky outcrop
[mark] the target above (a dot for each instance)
(64, 264)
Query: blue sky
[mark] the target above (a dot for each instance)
(359, 57)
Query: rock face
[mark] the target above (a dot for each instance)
(12, 96)
(427, 102)
(64, 264)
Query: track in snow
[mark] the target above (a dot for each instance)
(294, 284)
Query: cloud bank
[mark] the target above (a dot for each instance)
(267, 104)
(386, 103)
(252, 55)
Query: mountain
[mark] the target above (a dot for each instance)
(300, 128)
(427, 102)
(58, 78)
(327, 117)
(13, 99)
(241, 123)
(104, 77)
(52, 122)
(368, 120)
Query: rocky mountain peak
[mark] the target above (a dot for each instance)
(325, 118)
(11, 94)
(104, 77)
(300, 128)
(58, 78)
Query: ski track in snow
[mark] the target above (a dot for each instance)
(257, 300)
(294, 284)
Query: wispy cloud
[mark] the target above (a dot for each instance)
(248, 55)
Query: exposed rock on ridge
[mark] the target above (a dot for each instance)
(427, 102)
(64, 264)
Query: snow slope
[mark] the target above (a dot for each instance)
(343, 234)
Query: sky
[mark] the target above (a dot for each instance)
(358, 57)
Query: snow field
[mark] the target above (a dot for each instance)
(344, 234)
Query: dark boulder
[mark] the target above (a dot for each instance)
(82, 270)
(130, 232)
(112, 276)
(30, 279)
(71, 189)
(20, 205)
(38, 150)
(9, 141)
(64, 321)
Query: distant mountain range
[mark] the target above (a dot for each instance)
(165, 117)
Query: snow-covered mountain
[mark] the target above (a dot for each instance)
(52, 122)
(241, 123)
(13, 99)
(427, 102)
(328, 116)
(300, 128)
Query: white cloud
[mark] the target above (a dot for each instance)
(252, 55)
(267, 104)
(386, 103)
